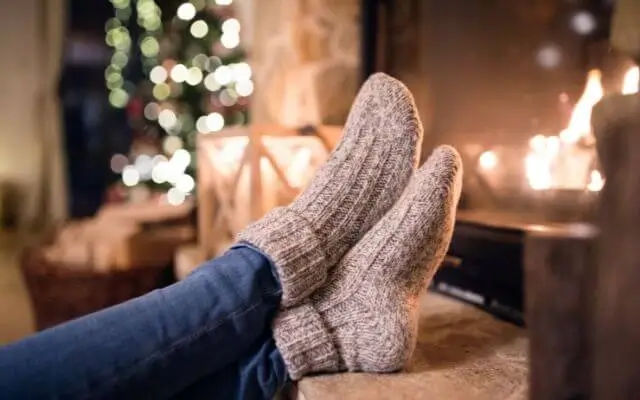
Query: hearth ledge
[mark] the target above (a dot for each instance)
(462, 353)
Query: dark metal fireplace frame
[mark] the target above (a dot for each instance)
(370, 35)
(484, 264)
(373, 31)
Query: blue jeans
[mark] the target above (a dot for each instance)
(206, 336)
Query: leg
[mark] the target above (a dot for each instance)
(153, 346)
(260, 374)
(359, 183)
(365, 318)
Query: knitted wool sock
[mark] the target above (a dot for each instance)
(360, 181)
(365, 318)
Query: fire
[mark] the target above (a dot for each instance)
(631, 81)
(596, 181)
(557, 161)
(580, 123)
(568, 161)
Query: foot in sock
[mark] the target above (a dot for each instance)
(365, 317)
(361, 180)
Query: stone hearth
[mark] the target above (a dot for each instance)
(462, 353)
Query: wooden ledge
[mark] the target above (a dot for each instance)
(462, 353)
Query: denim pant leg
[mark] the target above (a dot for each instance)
(154, 346)
(259, 375)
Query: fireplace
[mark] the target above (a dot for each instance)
(510, 84)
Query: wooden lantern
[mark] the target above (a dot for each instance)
(243, 172)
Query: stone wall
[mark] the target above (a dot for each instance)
(306, 60)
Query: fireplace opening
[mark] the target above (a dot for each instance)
(510, 84)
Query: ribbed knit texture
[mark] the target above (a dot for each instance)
(365, 318)
(360, 181)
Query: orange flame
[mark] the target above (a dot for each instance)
(580, 123)
(631, 81)
(548, 153)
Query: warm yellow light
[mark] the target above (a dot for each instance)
(120, 3)
(552, 145)
(298, 166)
(231, 25)
(596, 182)
(185, 184)
(161, 91)
(241, 71)
(186, 11)
(199, 29)
(167, 118)
(130, 176)
(118, 98)
(538, 171)
(119, 59)
(488, 160)
(149, 46)
(580, 122)
(230, 40)
(228, 97)
(538, 143)
(211, 83)
(180, 159)
(194, 76)
(179, 73)
(175, 197)
(223, 75)
(158, 74)
(172, 144)
(229, 155)
(201, 125)
(631, 81)
(244, 88)
(215, 122)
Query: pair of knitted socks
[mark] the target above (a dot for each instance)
(355, 251)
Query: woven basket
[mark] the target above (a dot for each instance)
(60, 293)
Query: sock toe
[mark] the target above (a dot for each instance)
(389, 106)
(367, 312)
(359, 183)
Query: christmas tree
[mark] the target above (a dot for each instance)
(193, 81)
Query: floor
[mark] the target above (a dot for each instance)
(16, 320)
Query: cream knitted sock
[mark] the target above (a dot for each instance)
(360, 181)
(365, 318)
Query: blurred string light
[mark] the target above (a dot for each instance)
(226, 82)
(583, 23)
(119, 38)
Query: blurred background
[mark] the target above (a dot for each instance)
(138, 136)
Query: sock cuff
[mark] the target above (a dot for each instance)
(304, 342)
(297, 253)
